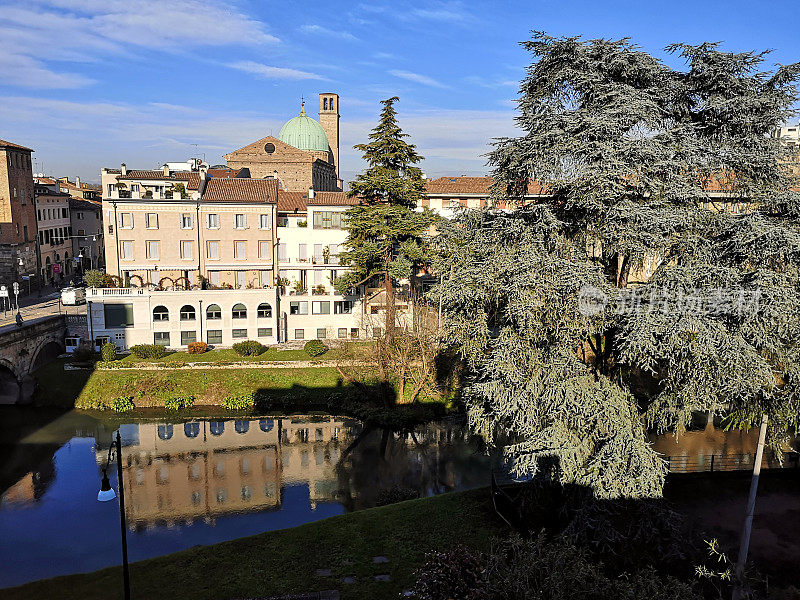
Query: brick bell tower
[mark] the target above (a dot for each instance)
(329, 119)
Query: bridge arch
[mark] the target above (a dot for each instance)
(47, 350)
(9, 383)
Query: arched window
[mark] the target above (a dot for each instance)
(191, 430)
(187, 312)
(165, 432)
(266, 425)
(160, 313)
(216, 427)
(264, 311)
(213, 312)
(241, 426)
(239, 311)
(325, 104)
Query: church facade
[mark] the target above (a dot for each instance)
(304, 155)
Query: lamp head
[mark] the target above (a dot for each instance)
(106, 492)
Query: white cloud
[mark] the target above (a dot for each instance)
(417, 78)
(45, 31)
(319, 30)
(268, 72)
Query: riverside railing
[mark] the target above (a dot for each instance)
(714, 463)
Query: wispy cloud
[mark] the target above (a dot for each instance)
(319, 30)
(448, 12)
(41, 33)
(417, 78)
(269, 72)
(490, 83)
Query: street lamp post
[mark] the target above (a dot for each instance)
(106, 494)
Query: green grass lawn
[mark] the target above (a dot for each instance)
(282, 562)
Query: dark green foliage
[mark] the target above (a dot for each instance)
(249, 348)
(641, 164)
(108, 351)
(83, 353)
(97, 279)
(456, 574)
(396, 493)
(148, 351)
(315, 348)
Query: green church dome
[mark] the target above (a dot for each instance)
(304, 133)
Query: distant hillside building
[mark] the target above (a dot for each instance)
(304, 155)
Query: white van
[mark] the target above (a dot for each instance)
(71, 296)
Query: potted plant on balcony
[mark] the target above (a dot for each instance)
(298, 288)
(319, 290)
(326, 255)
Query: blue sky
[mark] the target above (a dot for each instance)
(92, 83)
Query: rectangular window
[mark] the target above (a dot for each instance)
(241, 279)
(239, 221)
(126, 220)
(81, 232)
(263, 221)
(265, 278)
(214, 336)
(322, 333)
(318, 277)
(333, 251)
(326, 219)
(79, 216)
(263, 249)
(342, 307)
(212, 221)
(299, 334)
(239, 250)
(302, 252)
(152, 250)
(161, 338)
(118, 315)
(282, 253)
(151, 220)
(213, 250)
(134, 187)
(239, 333)
(318, 253)
(127, 250)
(213, 277)
(187, 249)
(298, 307)
(188, 337)
(187, 221)
(320, 308)
(354, 332)
(265, 332)
(342, 332)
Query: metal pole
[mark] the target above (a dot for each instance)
(744, 545)
(122, 521)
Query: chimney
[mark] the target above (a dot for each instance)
(166, 170)
(77, 182)
(124, 169)
(310, 193)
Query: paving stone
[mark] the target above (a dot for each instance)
(349, 579)
(382, 578)
(380, 559)
(323, 572)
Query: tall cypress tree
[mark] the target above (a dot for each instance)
(642, 165)
(385, 233)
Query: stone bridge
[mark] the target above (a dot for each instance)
(25, 349)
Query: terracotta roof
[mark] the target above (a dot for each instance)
(290, 202)
(43, 190)
(332, 199)
(193, 183)
(469, 185)
(81, 204)
(145, 174)
(229, 173)
(241, 190)
(5, 144)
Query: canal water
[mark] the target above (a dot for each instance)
(209, 479)
(203, 481)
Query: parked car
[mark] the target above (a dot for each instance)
(71, 296)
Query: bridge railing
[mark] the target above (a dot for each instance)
(712, 463)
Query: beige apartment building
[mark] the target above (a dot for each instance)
(221, 232)
(55, 234)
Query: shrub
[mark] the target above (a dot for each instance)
(149, 351)
(249, 348)
(179, 402)
(315, 348)
(82, 353)
(97, 279)
(122, 404)
(197, 347)
(456, 573)
(394, 494)
(108, 351)
(243, 402)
